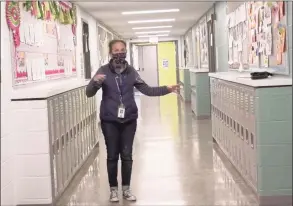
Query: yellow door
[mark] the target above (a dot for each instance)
(167, 76)
(167, 63)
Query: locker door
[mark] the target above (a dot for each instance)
(57, 145)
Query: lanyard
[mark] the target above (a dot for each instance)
(118, 87)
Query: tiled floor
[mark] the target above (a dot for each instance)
(175, 163)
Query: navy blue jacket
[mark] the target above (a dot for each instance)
(124, 82)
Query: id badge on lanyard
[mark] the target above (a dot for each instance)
(121, 108)
(121, 111)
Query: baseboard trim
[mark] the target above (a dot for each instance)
(201, 117)
(284, 200)
(37, 205)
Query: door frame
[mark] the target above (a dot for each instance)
(147, 43)
(211, 41)
(87, 74)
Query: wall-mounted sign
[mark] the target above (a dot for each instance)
(165, 63)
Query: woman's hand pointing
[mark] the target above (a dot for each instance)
(174, 88)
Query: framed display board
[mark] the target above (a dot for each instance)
(46, 48)
(104, 37)
(189, 51)
(257, 36)
(194, 46)
(203, 43)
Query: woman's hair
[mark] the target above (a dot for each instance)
(114, 41)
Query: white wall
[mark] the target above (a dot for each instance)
(7, 141)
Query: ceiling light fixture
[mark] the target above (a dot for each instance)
(149, 36)
(150, 11)
(152, 32)
(151, 27)
(150, 21)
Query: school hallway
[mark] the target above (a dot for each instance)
(221, 137)
(175, 163)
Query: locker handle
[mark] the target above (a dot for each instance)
(57, 146)
(67, 138)
(62, 141)
(71, 134)
(246, 136)
(252, 140)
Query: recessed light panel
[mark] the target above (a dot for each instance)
(149, 36)
(152, 32)
(151, 27)
(150, 11)
(150, 21)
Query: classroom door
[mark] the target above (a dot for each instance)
(148, 70)
(168, 76)
(148, 64)
(86, 51)
(167, 63)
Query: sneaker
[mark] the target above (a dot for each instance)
(128, 195)
(114, 197)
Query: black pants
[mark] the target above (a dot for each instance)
(119, 140)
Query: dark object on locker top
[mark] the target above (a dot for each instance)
(260, 75)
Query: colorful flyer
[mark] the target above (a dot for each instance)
(253, 35)
(21, 70)
(267, 15)
(275, 14)
(265, 61)
(268, 40)
(282, 38)
(279, 58)
(281, 9)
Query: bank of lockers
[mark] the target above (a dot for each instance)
(73, 134)
(233, 125)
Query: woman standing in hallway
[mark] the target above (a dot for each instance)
(118, 113)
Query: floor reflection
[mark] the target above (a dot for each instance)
(175, 163)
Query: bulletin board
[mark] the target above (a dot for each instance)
(44, 48)
(194, 46)
(203, 43)
(258, 35)
(189, 51)
(103, 40)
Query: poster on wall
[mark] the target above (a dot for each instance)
(51, 29)
(267, 14)
(21, 66)
(165, 63)
(269, 41)
(60, 64)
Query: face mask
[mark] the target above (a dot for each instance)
(119, 58)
